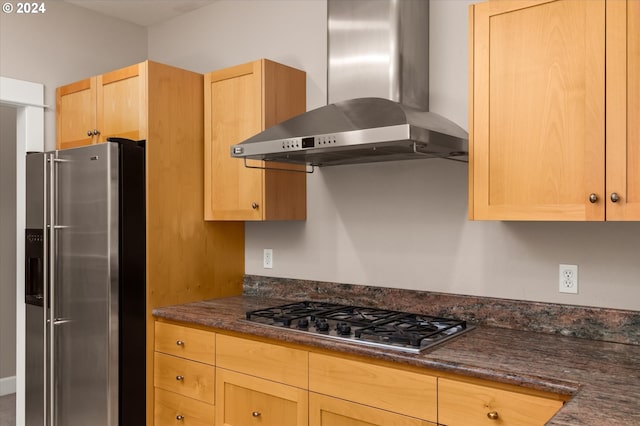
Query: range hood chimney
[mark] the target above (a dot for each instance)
(378, 95)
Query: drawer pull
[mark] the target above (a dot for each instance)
(179, 343)
(256, 414)
(493, 415)
(179, 417)
(179, 378)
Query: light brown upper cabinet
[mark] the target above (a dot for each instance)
(554, 96)
(112, 104)
(239, 102)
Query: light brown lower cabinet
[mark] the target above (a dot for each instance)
(461, 403)
(265, 383)
(247, 400)
(328, 411)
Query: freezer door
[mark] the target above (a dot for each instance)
(84, 289)
(35, 264)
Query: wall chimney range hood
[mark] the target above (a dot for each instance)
(378, 95)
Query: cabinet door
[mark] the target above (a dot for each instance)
(470, 404)
(537, 119)
(76, 114)
(246, 400)
(121, 107)
(233, 113)
(327, 411)
(623, 109)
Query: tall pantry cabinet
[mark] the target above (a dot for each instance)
(554, 96)
(188, 259)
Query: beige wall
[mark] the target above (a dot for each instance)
(7, 243)
(400, 224)
(65, 44)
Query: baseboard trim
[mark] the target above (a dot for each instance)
(7, 385)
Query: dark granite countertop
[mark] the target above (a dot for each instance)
(602, 378)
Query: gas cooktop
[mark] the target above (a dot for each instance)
(370, 326)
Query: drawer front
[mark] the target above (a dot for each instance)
(273, 362)
(188, 378)
(185, 342)
(391, 389)
(172, 409)
(463, 404)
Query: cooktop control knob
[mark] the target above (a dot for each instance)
(322, 325)
(343, 329)
(303, 323)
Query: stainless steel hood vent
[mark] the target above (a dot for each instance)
(378, 73)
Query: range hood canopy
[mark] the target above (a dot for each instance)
(377, 95)
(357, 131)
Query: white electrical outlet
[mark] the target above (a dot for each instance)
(267, 259)
(568, 279)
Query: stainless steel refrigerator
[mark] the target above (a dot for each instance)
(85, 286)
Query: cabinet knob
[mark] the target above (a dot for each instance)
(256, 414)
(179, 343)
(493, 415)
(593, 198)
(615, 197)
(179, 378)
(89, 132)
(179, 417)
(254, 205)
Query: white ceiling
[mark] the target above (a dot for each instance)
(142, 12)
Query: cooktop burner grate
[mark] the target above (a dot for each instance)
(410, 329)
(286, 314)
(372, 326)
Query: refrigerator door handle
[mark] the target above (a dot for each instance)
(59, 321)
(52, 280)
(45, 290)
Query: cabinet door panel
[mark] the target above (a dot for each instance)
(122, 103)
(245, 400)
(234, 113)
(327, 411)
(76, 113)
(623, 109)
(538, 110)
